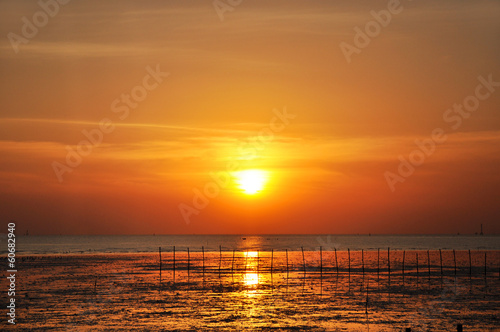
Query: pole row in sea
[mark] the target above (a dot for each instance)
(336, 267)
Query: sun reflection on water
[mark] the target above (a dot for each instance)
(252, 254)
(251, 275)
(251, 279)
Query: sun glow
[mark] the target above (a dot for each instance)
(251, 279)
(251, 254)
(251, 181)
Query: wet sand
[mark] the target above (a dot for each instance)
(124, 292)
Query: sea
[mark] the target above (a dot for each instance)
(255, 283)
(106, 244)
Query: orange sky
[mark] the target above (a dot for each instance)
(227, 80)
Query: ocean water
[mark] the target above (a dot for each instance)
(63, 244)
(256, 283)
(257, 291)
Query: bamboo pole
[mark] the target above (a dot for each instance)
(455, 261)
(336, 262)
(258, 263)
(321, 261)
(363, 261)
(246, 261)
(429, 264)
(272, 262)
(389, 261)
(470, 265)
(441, 262)
(367, 290)
(159, 250)
(417, 264)
(203, 260)
(286, 264)
(404, 254)
(258, 267)
(220, 258)
(349, 259)
(272, 258)
(174, 265)
(232, 264)
(189, 261)
(232, 269)
(303, 260)
(378, 263)
(485, 265)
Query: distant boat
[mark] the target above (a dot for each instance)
(243, 238)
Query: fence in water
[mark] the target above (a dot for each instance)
(181, 266)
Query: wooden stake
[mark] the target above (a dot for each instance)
(189, 261)
(441, 262)
(321, 261)
(485, 265)
(367, 290)
(349, 259)
(389, 261)
(159, 250)
(246, 260)
(429, 264)
(174, 265)
(286, 263)
(404, 254)
(232, 264)
(303, 260)
(258, 263)
(272, 258)
(203, 260)
(363, 261)
(220, 258)
(378, 263)
(336, 262)
(232, 269)
(417, 264)
(470, 265)
(455, 261)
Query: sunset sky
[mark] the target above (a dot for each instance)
(335, 126)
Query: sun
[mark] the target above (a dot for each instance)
(251, 181)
